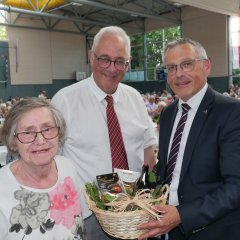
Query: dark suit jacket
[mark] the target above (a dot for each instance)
(209, 187)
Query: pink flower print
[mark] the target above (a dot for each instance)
(64, 203)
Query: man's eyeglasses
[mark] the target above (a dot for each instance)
(186, 66)
(105, 62)
(30, 136)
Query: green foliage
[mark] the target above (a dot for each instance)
(3, 33)
(156, 41)
(137, 51)
(236, 76)
(236, 72)
(92, 191)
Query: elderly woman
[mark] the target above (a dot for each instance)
(39, 198)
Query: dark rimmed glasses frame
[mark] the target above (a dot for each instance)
(186, 66)
(105, 62)
(30, 136)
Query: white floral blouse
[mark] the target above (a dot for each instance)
(41, 214)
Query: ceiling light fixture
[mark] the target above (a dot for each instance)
(76, 4)
(177, 4)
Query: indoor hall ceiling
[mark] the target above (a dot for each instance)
(227, 7)
(88, 16)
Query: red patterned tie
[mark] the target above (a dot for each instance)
(118, 152)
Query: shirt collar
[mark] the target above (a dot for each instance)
(195, 101)
(99, 93)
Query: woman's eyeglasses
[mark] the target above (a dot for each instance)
(30, 136)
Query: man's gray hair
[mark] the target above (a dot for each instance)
(111, 30)
(201, 52)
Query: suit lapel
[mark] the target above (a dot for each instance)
(198, 122)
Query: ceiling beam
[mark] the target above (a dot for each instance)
(54, 16)
(41, 28)
(227, 7)
(49, 15)
(130, 12)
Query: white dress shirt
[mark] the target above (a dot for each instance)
(87, 144)
(194, 103)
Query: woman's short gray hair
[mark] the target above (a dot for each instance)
(16, 113)
(111, 30)
(201, 52)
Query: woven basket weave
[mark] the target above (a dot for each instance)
(124, 225)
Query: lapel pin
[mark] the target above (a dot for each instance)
(205, 111)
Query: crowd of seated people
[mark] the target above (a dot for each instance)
(233, 91)
(5, 106)
(156, 101)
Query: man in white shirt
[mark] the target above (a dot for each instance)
(84, 107)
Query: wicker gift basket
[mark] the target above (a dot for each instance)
(121, 222)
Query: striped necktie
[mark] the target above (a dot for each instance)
(172, 158)
(118, 152)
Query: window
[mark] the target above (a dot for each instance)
(235, 44)
(3, 32)
(156, 41)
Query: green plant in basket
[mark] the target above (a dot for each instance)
(146, 193)
(121, 213)
(93, 193)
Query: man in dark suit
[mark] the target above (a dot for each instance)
(204, 199)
